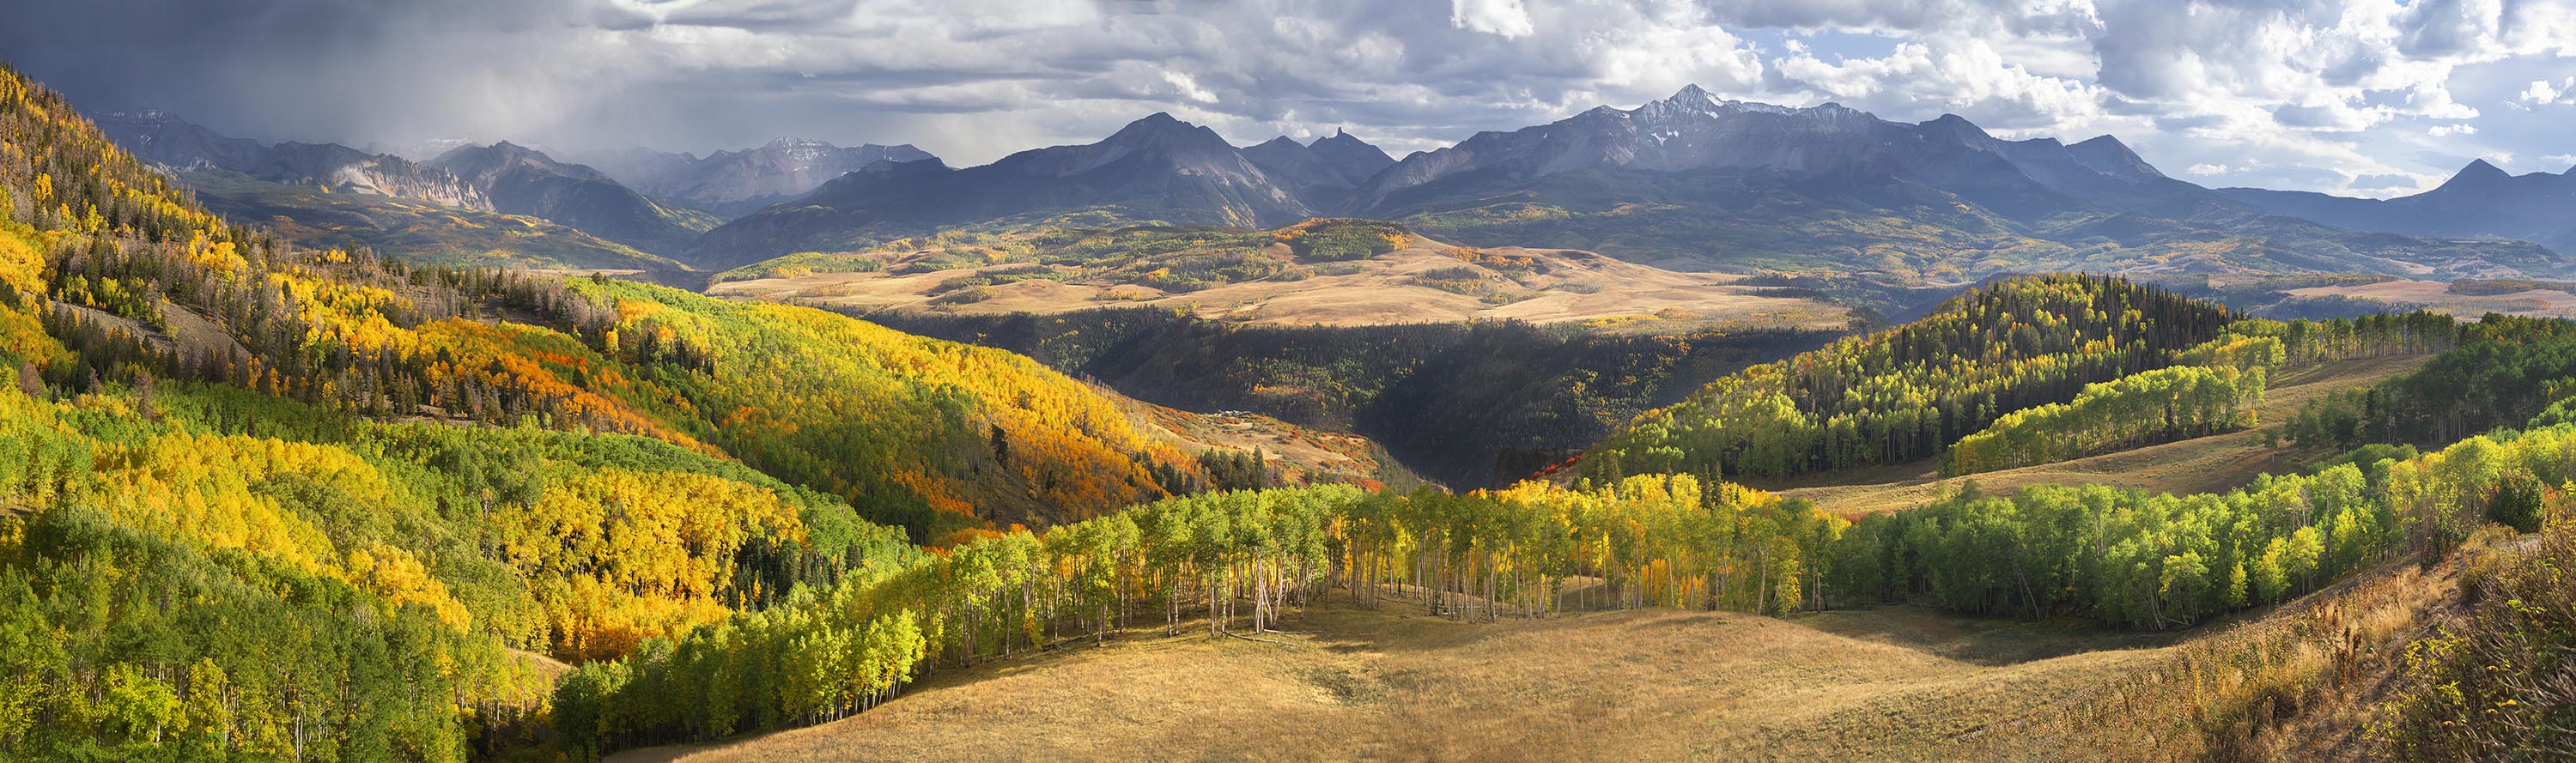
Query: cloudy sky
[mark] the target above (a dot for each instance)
(2369, 97)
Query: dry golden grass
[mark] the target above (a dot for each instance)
(1393, 684)
(1565, 286)
(2437, 296)
(2299, 682)
(1301, 455)
(2200, 465)
(1891, 683)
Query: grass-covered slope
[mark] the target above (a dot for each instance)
(887, 418)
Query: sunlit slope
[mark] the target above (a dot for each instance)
(2198, 465)
(1394, 684)
(877, 415)
(1908, 392)
(1325, 272)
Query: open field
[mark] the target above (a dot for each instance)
(1396, 684)
(1889, 682)
(2206, 464)
(1417, 283)
(2441, 297)
(1298, 454)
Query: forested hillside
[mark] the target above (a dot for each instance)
(272, 502)
(2504, 372)
(1243, 557)
(136, 279)
(1908, 392)
(1472, 405)
(2125, 558)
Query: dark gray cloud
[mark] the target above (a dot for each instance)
(2326, 94)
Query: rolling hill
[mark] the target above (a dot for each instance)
(1323, 272)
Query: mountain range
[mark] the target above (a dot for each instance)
(1326, 172)
(1155, 169)
(523, 181)
(1692, 181)
(1746, 185)
(2482, 200)
(734, 183)
(161, 138)
(324, 193)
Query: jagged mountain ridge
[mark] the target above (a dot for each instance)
(327, 194)
(2481, 200)
(523, 181)
(163, 139)
(1326, 172)
(1155, 169)
(1729, 184)
(1693, 177)
(1748, 185)
(733, 183)
(1827, 144)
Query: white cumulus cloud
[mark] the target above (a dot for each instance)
(2336, 95)
(2543, 93)
(1498, 17)
(1188, 88)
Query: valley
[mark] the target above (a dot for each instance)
(1703, 428)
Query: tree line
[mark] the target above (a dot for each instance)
(1445, 398)
(1242, 559)
(2212, 388)
(1909, 392)
(2120, 556)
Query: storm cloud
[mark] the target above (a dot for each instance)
(2355, 96)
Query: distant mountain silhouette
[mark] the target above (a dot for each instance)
(1155, 169)
(2482, 200)
(523, 181)
(732, 183)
